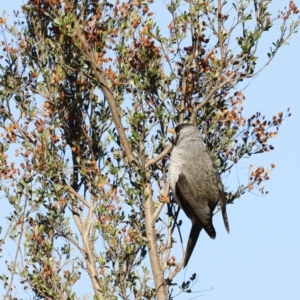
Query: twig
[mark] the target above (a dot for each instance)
(81, 198)
(157, 212)
(9, 287)
(154, 160)
(21, 131)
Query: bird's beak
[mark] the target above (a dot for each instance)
(172, 140)
(171, 130)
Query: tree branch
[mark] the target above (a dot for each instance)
(157, 212)
(78, 196)
(158, 273)
(220, 36)
(218, 85)
(87, 246)
(156, 159)
(108, 95)
(21, 131)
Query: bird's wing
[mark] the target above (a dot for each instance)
(222, 198)
(186, 195)
(197, 209)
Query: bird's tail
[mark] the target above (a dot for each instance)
(223, 209)
(195, 231)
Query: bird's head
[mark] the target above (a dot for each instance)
(182, 131)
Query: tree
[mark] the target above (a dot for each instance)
(89, 89)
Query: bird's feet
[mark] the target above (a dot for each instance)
(164, 198)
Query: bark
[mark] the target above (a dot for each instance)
(158, 274)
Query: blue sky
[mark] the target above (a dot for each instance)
(259, 259)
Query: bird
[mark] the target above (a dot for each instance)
(195, 183)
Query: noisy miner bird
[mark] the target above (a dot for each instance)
(195, 183)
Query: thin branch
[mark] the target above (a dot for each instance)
(2, 241)
(13, 271)
(88, 248)
(156, 159)
(218, 85)
(220, 36)
(21, 131)
(108, 95)
(168, 244)
(207, 98)
(157, 212)
(256, 9)
(79, 197)
(165, 193)
(72, 241)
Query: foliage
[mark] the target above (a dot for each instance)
(88, 91)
